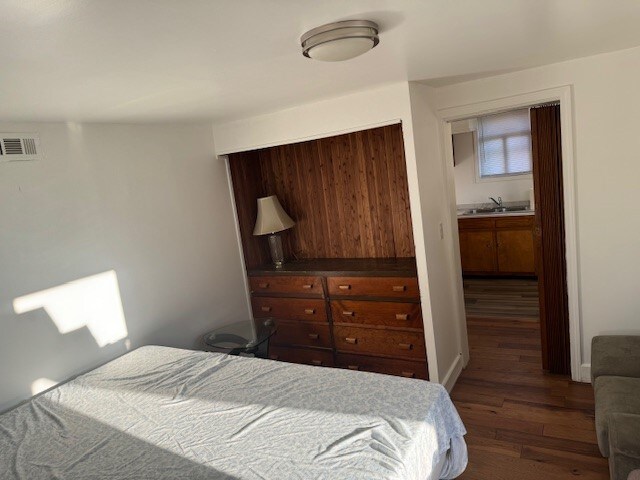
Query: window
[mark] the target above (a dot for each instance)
(504, 144)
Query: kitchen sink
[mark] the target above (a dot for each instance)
(476, 211)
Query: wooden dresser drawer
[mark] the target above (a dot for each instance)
(305, 309)
(307, 356)
(390, 366)
(394, 343)
(301, 334)
(286, 284)
(393, 314)
(388, 287)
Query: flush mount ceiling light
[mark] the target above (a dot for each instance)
(339, 41)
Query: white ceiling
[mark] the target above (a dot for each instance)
(156, 60)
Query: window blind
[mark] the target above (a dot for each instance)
(504, 144)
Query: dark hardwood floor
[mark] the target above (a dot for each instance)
(522, 423)
(501, 297)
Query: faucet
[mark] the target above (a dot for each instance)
(497, 202)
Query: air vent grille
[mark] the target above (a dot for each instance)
(19, 147)
(12, 146)
(30, 146)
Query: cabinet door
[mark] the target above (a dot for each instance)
(478, 251)
(515, 251)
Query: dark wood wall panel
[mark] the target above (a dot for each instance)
(247, 183)
(348, 195)
(550, 238)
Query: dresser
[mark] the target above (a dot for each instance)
(360, 314)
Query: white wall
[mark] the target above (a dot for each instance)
(148, 202)
(358, 111)
(606, 101)
(469, 190)
(445, 282)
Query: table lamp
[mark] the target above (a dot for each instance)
(272, 219)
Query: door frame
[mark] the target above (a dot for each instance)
(563, 94)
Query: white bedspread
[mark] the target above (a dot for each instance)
(160, 412)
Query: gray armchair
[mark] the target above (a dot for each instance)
(615, 375)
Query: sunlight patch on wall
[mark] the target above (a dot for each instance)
(42, 384)
(92, 301)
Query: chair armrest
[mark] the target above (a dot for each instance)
(617, 355)
(624, 444)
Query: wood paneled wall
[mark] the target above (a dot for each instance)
(348, 195)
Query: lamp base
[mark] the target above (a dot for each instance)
(277, 253)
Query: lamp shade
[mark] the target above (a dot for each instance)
(271, 217)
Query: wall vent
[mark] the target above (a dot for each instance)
(19, 147)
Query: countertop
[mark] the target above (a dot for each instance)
(520, 213)
(379, 267)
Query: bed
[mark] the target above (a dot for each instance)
(160, 412)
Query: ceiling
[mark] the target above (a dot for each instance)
(160, 60)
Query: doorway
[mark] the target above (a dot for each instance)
(508, 172)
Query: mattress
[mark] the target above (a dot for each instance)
(163, 413)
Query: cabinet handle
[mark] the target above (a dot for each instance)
(263, 285)
(347, 313)
(309, 311)
(399, 288)
(316, 362)
(344, 287)
(265, 309)
(314, 336)
(307, 286)
(402, 316)
(353, 367)
(405, 346)
(351, 340)
(408, 374)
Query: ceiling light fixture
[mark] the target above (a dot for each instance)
(339, 41)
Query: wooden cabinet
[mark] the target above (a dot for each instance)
(478, 251)
(365, 317)
(367, 363)
(319, 358)
(401, 287)
(497, 245)
(515, 251)
(296, 284)
(299, 309)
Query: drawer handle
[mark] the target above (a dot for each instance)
(309, 311)
(402, 316)
(314, 336)
(273, 357)
(265, 309)
(353, 367)
(263, 285)
(408, 374)
(307, 286)
(347, 313)
(399, 288)
(316, 362)
(344, 287)
(351, 340)
(405, 346)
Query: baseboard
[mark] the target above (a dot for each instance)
(585, 373)
(451, 377)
